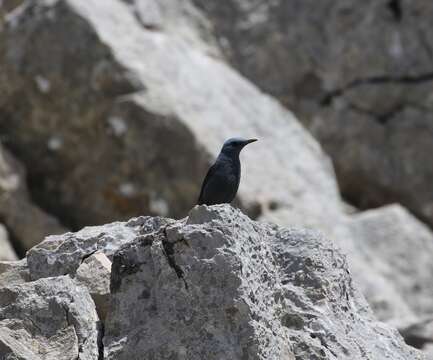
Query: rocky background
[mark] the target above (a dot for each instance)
(114, 109)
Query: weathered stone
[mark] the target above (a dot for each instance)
(398, 247)
(140, 102)
(7, 253)
(13, 272)
(148, 112)
(17, 342)
(27, 223)
(218, 285)
(359, 74)
(388, 251)
(48, 319)
(94, 273)
(63, 254)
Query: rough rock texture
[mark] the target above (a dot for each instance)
(94, 273)
(63, 254)
(50, 319)
(399, 248)
(27, 223)
(7, 252)
(129, 103)
(218, 285)
(131, 126)
(388, 251)
(13, 272)
(358, 73)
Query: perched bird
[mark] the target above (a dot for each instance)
(222, 180)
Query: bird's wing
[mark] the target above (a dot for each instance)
(206, 179)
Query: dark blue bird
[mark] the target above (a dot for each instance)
(222, 180)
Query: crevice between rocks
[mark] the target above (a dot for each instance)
(68, 321)
(396, 10)
(88, 255)
(168, 249)
(100, 341)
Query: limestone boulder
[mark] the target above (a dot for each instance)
(399, 247)
(50, 319)
(218, 285)
(14, 272)
(64, 254)
(94, 273)
(388, 252)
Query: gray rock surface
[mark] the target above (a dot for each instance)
(138, 107)
(388, 252)
(69, 114)
(49, 319)
(63, 254)
(27, 222)
(14, 272)
(95, 273)
(399, 247)
(218, 285)
(358, 73)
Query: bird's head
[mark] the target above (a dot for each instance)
(235, 145)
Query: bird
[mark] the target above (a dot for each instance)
(222, 179)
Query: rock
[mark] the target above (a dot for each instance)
(220, 286)
(94, 273)
(389, 303)
(16, 342)
(27, 223)
(7, 252)
(398, 247)
(180, 19)
(145, 111)
(13, 272)
(63, 254)
(52, 319)
(359, 75)
(139, 102)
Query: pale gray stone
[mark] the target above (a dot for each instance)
(63, 254)
(48, 319)
(14, 272)
(94, 273)
(220, 286)
(399, 247)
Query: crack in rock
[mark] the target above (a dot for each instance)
(383, 118)
(376, 80)
(101, 334)
(168, 249)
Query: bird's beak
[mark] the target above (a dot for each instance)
(249, 141)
